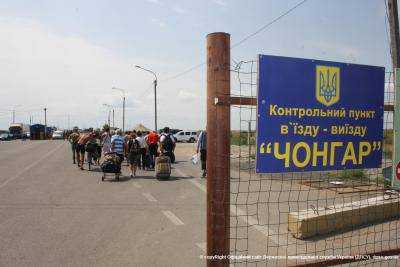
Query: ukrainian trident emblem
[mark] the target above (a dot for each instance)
(327, 85)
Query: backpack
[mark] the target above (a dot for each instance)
(168, 144)
(134, 147)
(91, 147)
(73, 138)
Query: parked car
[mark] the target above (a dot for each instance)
(5, 137)
(186, 136)
(58, 135)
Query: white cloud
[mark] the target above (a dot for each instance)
(342, 51)
(179, 10)
(71, 75)
(187, 95)
(158, 2)
(220, 2)
(68, 75)
(160, 23)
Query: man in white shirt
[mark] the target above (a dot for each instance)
(143, 162)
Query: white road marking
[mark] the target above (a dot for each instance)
(172, 217)
(199, 185)
(193, 181)
(30, 166)
(135, 184)
(202, 246)
(264, 229)
(149, 197)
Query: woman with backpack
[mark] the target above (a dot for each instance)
(167, 144)
(134, 153)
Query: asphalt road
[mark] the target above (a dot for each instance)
(52, 213)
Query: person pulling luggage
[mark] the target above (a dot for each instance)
(163, 162)
(167, 144)
(118, 144)
(134, 153)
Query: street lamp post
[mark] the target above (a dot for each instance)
(123, 106)
(13, 112)
(45, 123)
(113, 118)
(155, 94)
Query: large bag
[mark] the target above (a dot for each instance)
(110, 167)
(91, 147)
(168, 144)
(163, 167)
(134, 147)
(113, 157)
(195, 159)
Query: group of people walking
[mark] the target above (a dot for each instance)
(138, 148)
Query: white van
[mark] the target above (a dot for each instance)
(186, 136)
(58, 135)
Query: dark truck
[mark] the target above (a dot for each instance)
(18, 130)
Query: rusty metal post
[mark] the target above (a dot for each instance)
(218, 148)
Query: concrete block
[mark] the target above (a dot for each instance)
(324, 220)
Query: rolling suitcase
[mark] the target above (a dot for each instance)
(163, 167)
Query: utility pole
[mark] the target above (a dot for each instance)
(123, 106)
(218, 156)
(394, 51)
(113, 118)
(123, 115)
(394, 32)
(155, 104)
(69, 120)
(45, 123)
(155, 93)
(13, 115)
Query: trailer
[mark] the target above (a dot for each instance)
(19, 130)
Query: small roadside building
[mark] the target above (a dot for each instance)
(37, 132)
(142, 128)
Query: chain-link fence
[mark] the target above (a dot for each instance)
(261, 203)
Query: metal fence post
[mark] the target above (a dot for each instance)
(396, 131)
(218, 147)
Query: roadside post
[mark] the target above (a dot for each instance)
(218, 148)
(396, 132)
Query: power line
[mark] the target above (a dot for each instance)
(269, 24)
(184, 72)
(263, 28)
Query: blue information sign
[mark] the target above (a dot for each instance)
(318, 115)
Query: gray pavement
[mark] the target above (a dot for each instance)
(53, 214)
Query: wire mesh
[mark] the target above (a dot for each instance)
(261, 203)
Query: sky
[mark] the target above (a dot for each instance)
(67, 55)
